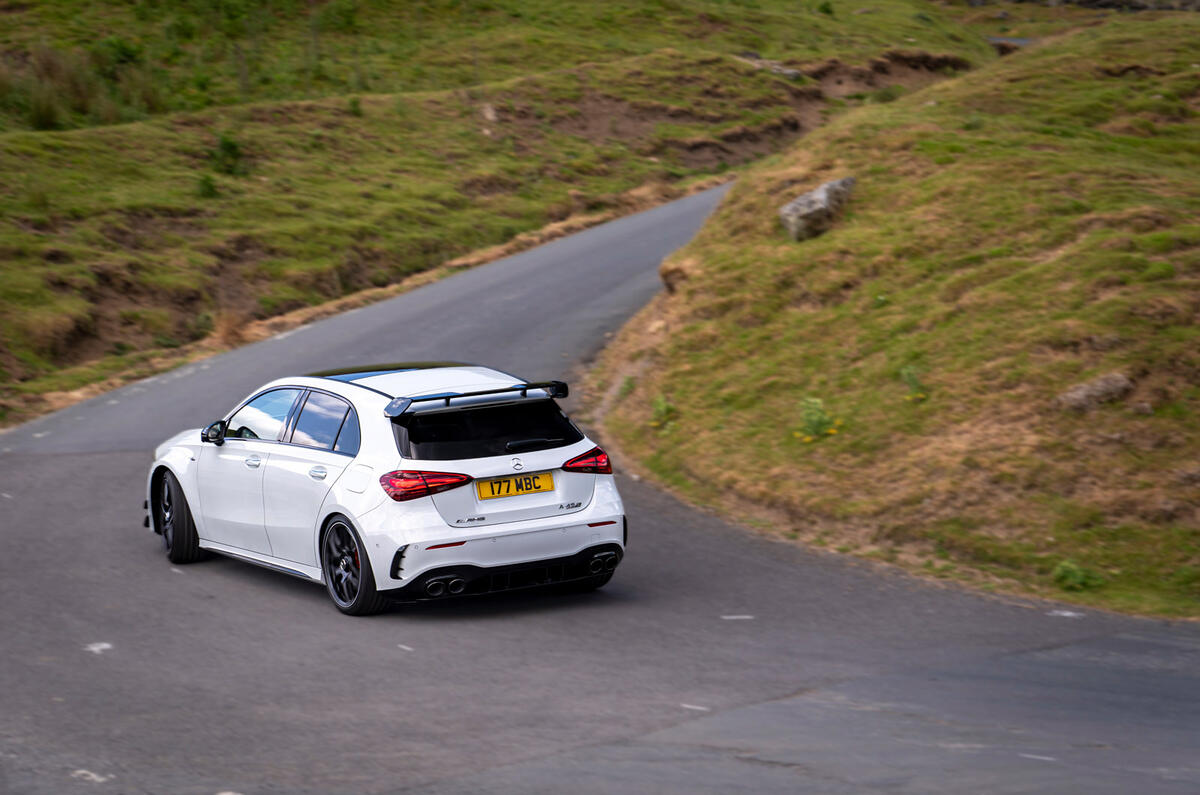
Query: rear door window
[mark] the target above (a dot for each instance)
(320, 420)
(263, 417)
(350, 437)
(486, 431)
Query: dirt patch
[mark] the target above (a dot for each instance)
(1137, 219)
(602, 118)
(734, 147)
(905, 69)
(233, 291)
(1132, 69)
(707, 25)
(599, 117)
(482, 185)
(150, 228)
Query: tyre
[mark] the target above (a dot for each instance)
(347, 571)
(590, 584)
(174, 520)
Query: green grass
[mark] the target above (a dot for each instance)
(1015, 231)
(479, 121)
(75, 63)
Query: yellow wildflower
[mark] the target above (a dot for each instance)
(831, 431)
(807, 439)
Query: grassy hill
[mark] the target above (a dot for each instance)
(70, 63)
(473, 123)
(890, 389)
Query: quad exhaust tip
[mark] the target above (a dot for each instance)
(452, 586)
(605, 561)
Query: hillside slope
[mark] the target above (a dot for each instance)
(119, 242)
(72, 63)
(891, 388)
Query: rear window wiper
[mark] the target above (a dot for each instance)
(517, 445)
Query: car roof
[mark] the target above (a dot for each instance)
(413, 379)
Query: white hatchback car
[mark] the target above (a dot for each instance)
(405, 482)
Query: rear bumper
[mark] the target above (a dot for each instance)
(467, 580)
(420, 536)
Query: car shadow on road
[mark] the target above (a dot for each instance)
(506, 605)
(500, 605)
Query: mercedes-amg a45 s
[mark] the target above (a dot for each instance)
(400, 482)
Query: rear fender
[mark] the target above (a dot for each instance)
(355, 494)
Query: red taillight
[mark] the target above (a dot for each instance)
(594, 461)
(402, 486)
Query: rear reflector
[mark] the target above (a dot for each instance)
(594, 461)
(443, 546)
(401, 486)
(600, 524)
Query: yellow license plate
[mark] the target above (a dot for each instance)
(514, 485)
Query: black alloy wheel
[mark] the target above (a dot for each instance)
(174, 521)
(166, 512)
(348, 577)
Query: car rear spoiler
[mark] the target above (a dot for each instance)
(400, 405)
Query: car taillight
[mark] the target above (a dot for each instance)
(594, 461)
(402, 486)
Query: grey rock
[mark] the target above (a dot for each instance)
(1143, 408)
(814, 212)
(775, 67)
(1089, 395)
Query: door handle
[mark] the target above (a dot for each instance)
(253, 461)
(317, 473)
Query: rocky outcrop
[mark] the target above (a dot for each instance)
(1090, 394)
(813, 213)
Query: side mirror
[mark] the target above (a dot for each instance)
(214, 433)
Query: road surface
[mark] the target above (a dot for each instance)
(715, 661)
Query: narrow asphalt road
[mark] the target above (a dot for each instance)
(716, 661)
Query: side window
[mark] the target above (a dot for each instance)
(320, 420)
(348, 440)
(262, 417)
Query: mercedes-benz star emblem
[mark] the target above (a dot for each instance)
(517, 464)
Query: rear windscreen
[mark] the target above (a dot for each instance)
(486, 431)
